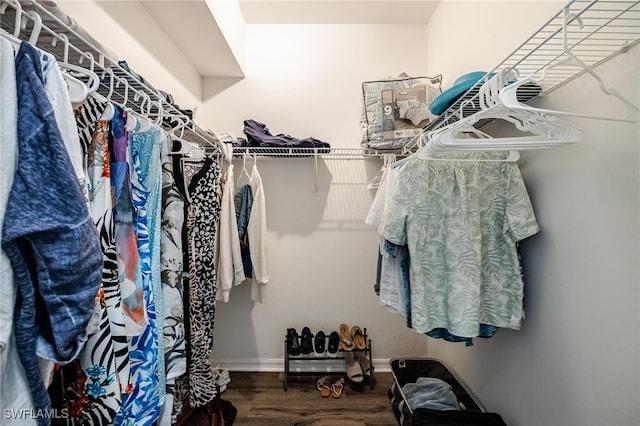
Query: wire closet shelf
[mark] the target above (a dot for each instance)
(596, 30)
(46, 26)
(303, 152)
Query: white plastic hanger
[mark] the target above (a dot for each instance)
(126, 89)
(537, 132)
(144, 124)
(18, 18)
(37, 25)
(78, 91)
(109, 112)
(387, 159)
(79, 72)
(132, 121)
(536, 129)
(196, 154)
(244, 171)
(189, 150)
(508, 94)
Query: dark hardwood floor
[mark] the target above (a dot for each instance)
(261, 400)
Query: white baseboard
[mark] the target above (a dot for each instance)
(277, 365)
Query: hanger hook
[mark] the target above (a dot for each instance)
(146, 100)
(160, 112)
(91, 58)
(37, 25)
(126, 90)
(111, 82)
(136, 98)
(65, 39)
(18, 8)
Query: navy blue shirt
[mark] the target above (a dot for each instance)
(48, 235)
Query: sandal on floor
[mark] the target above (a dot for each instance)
(324, 386)
(221, 377)
(354, 371)
(306, 341)
(358, 337)
(363, 360)
(336, 388)
(346, 342)
(293, 347)
(319, 342)
(334, 344)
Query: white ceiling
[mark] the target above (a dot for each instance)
(190, 25)
(337, 12)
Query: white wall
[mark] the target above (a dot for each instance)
(476, 35)
(159, 68)
(576, 359)
(304, 80)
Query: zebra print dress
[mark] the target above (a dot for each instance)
(174, 332)
(203, 217)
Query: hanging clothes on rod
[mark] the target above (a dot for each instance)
(230, 266)
(117, 373)
(173, 289)
(203, 215)
(460, 218)
(59, 229)
(12, 370)
(257, 234)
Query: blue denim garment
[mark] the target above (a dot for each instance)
(48, 235)
(243, 200)
(405, 264)
(484, 330)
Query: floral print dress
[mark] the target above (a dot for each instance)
(141, 407)
(92, 385)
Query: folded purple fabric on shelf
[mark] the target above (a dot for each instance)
(258, 135)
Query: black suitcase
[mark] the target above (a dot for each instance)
(408, 370)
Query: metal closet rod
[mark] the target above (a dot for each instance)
(142, 99)
(303, 152)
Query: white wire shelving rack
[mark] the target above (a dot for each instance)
(305, 152)
(596, 30)
(49, 28)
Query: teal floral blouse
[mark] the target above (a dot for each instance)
(461, 221)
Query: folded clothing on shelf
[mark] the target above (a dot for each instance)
(258, 135)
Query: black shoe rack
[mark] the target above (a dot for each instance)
(288, 359)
